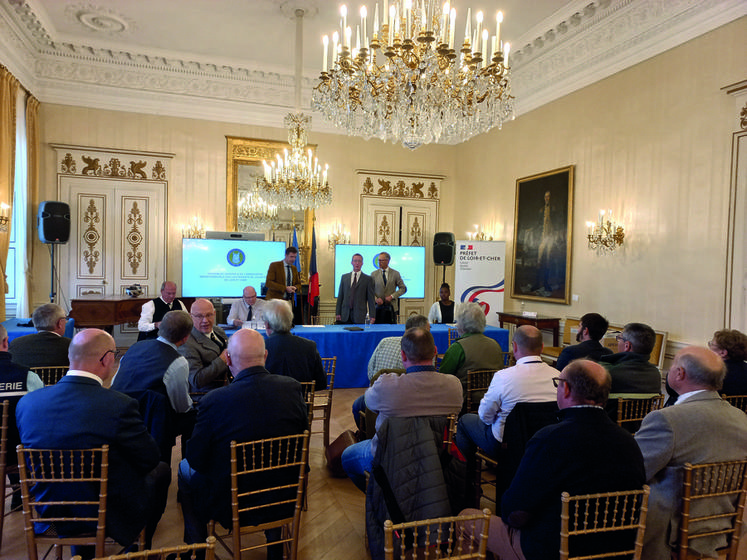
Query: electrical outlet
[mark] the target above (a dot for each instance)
(574, 297)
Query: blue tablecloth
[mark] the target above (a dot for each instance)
(14, 328)
(354, 348)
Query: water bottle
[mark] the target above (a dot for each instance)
(367, 324)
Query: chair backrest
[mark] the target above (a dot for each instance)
(453, 335)
(478, 381)
(657, 354)
(605, 525)
(4, 440)
(68, 499)
(188, 551)
(308, 397)
(724, 486)
(330, 364)
(571, 324)
(463, 536)
(738, 401)
(631, 411)
(50, 374)
(267, 480)
(323, 319)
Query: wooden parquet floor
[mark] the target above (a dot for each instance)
(332, 528)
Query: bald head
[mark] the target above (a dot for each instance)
(584, 383)
(527, 341)
(695, 368)
(94, 351)
(246, 349)
(203, 315)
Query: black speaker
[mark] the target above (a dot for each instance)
(53, 222)
(443, 248)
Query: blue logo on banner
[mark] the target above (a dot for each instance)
(236, 257)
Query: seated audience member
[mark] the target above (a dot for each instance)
(154, 310)
(591, 329)
(472, 350)
(585, 453)
(248, 308)
(700, 428)
(731, 345)
(79, 413)
(530, 380)
(630, 368)
(288, 354)
(443, 310)
(421, 391)
(387, 355)
(156, 365)
(205, 349)
(257, 405)
(48, 347)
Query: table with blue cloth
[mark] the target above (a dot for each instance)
(20, 327)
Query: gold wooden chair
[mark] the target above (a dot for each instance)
(598, 516)
(6, 491)
(52, 467)
(453, 335)
(162, 553)
(738, 401)
(323, 399)
(463, 537)
(323, 319)
(50, 374)
(281, 458)
(630, 412)
(478, 381)
(724, 486)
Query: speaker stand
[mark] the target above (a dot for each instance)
(52, 293)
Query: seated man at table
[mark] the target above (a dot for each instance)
(288, 354)
(205, 349)
(591, 329)
(630, 368)
(420, 391)
(154, 310)
(49, 346)
(472, 350)
(248, 308)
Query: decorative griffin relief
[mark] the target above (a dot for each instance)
(91, 236)
(134, 238)
(67, 165)
(400, 189)
(385, 231)
(416, 234)
(136, 170)
(92, 167)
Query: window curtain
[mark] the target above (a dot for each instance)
(8, 91)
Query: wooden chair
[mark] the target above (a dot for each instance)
(50, 374)
(163, 553)
(478, 381)
(281, 460)
(630, 412)
(724, 486)
(323, 319)
(58, 467)
(551, 353)
(6, 490)
(738, 401)
(443, 537)
(323, 399)
(591, 520)
(453, 335)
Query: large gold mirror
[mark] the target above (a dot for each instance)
(244, 158)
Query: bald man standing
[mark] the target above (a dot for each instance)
(256, 405)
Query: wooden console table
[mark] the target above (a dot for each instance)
(98, 311)
(542, 322)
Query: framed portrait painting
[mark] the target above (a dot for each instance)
(542, 236)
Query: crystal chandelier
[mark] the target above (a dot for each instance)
(604, 236)
(409, 83)
(254, 213)
(296, 181)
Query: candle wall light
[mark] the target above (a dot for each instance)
(479, 234)
(195, 230)
(605, 235)
(4, 217)
(338, 236)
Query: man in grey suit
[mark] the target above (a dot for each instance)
(205, 349)
(388, 286)
(355, 293)
(699, 428)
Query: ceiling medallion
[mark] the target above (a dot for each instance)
(100, 20)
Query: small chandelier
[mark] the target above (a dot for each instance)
(409, 83)
(255, 214)
(296, 181)
(605, 236)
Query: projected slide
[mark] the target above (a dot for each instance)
(408, 261)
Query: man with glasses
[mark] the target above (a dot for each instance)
(205, 349)
(591, 329)
(388, 288)
(79, 413)
(248, 308)
(630, 368)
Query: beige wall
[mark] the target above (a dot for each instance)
(651, 143)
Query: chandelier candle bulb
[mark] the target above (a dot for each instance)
(485, 47)
(498, 21)
(452, 26)
(325, 42)
(505, 55)
(344, 14)
(364, 13)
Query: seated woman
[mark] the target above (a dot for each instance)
(443, 310)
(731, 345)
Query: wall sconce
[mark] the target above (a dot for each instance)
(195, 230)
(4, 217)
(338, 236)
(479, 234)
(604, 236)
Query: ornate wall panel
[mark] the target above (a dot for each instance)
(91, 219)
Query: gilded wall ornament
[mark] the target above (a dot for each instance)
(416, 234)
(91, 236)
(384, 231)
(402, 188)
(743, 117)
(67, 165)
(134, 238)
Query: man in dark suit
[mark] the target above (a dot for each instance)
(630, 368)
(283, 279)
(154, 310)
(288, 354)
(48, 347)
(79, 413)
(388, 288)
(591, 329)
(583, 454)
(257, 405)
(205, 349)
(356, 292)
(699, 428)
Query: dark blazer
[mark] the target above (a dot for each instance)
(78, 413)
(295, 357)
(364, 294)
(735, 382)
(632, 373)
(43, 348)
(206, 369)
(590, 349)
(275, 280)
(585, 453)
(256, 405)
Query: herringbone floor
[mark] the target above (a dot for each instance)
(332, 529)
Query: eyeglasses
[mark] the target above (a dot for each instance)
(620, 337)
(115, 352)
(200, 317)
(558, 380)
